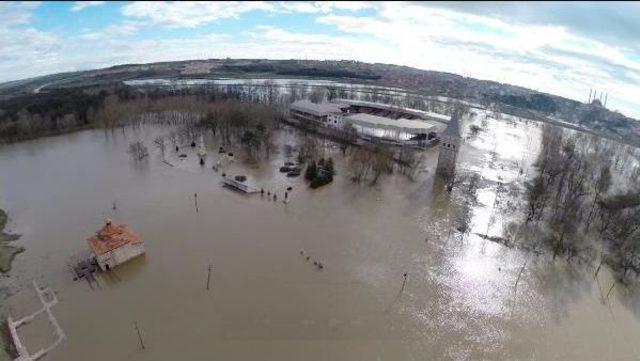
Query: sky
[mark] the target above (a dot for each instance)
(563, 48)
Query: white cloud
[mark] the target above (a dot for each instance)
(16, 13)
(549, 58)
(111, 31)
(494, 49)
(279, 35)
(323, 6)
(21, 44)
(80, 5)
(189, 14)
(300, 6)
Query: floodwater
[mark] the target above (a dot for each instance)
(284, 86)
(277, 82)
(266, 301)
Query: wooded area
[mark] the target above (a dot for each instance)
(584, 202)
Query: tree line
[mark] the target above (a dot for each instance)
(584, 202)
(65, 109)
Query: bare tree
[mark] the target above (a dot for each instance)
(362, 160)
(359, 163)
(382, 162)
(160, 143)
(408, 161)
(317, 95)
(602, 186)
(309, 150)
(138, 150)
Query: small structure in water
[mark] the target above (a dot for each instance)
(115, 244)
(239, 183)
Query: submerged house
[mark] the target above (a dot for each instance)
(115, 244)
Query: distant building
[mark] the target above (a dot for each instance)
(115, 244)
(449, 145)
(391, 111)
(371, 121)
(391, 130)
(307, 112)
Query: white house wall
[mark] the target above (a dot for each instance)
(119, 255)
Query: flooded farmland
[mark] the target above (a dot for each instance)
(266, 301)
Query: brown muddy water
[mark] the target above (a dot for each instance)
(266, 302)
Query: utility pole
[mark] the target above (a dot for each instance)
(209, 275)
(404, 281)
(195, 197)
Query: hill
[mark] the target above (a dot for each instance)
(16, 95)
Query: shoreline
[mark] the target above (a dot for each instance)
(7, 251)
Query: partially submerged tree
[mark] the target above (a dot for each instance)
(317, 95)
(602, 185)
(138, 150)
(569, 199)
(364, 160)
(160, 143)
(319, 173)
(309, 150)
(382, 162)
(409, 160)
(359, 163)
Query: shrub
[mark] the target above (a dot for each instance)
(320, 174)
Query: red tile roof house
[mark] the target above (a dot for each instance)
(115, 244)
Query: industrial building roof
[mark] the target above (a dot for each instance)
(317, 109)
(416, 112)
(399, 125)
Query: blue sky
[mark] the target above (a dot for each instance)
(562, 48)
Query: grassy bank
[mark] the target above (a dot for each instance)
(7, 251)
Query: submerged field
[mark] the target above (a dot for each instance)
(266, 301)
